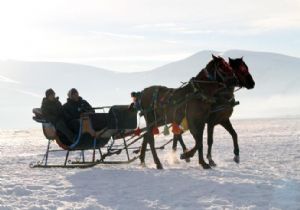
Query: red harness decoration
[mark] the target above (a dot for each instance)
(176, 129)
(155, 131)
(137, 132)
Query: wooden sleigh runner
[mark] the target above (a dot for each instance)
(111, 130)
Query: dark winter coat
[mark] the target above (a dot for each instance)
(72, 109)
(51, 110)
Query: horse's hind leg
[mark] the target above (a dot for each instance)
(210, 140)
(228, 126)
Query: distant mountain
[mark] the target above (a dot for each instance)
(23, 84)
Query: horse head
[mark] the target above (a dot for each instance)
(241, 71)
(218, 70)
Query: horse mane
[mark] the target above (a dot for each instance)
(235, 62)
(202, 74)
(156, 87)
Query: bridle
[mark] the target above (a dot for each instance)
(212, 75)
(242, 70)
(218, 71)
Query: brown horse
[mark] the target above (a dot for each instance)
(223, 109)
(161, 105)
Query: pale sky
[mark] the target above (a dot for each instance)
(139, 35)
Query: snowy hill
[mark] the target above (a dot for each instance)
(23, 84)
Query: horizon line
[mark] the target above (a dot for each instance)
(125, 72)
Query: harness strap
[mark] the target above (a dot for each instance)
(196, 94)
(154, 103)
(195, 89)
(154, 97)
(231, 104)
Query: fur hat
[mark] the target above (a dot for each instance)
(49, 92)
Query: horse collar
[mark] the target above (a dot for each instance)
(195, 89)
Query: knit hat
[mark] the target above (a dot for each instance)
(133, 94)
(72, 92)
(49, 92)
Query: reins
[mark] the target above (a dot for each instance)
(221, 74)
(211, 82)
(238, 89)
(196, 93)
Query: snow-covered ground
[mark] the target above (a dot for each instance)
(268, 176)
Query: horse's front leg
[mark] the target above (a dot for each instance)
(153, 150)
(197, 117)
(179, 138)
(176, 138)
(210, 140)
(193, 123)
(196, 128)
(228, 126)
(198, 135)
(143, 150)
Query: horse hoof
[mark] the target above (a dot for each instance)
(212, 163)
(159, 166)
(187, 160)
(236, 159)
(143, 164)
(184, 156)
(206, 166)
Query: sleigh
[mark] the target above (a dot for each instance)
(111, 129)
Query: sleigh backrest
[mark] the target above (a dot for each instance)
(49, 131)
(48, 128)
(121, 118)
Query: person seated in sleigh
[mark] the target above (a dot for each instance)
(73, 108)
(52, 112)
(136, 98)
